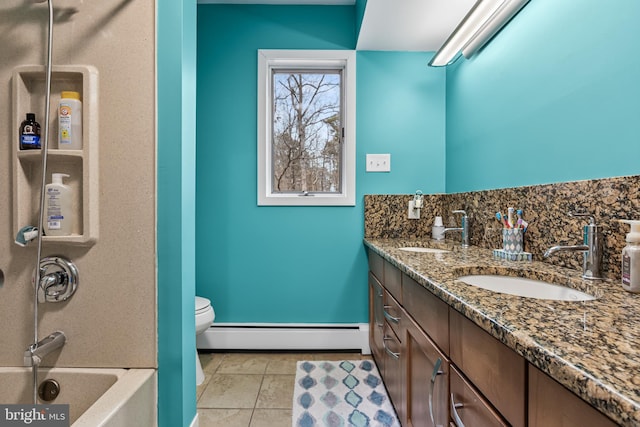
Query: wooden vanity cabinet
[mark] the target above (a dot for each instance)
(376, 321)
(441, 369)
(393, 281)
(551, 404)
(386, 329)
(495, 370)
(394, 379)
(427, 380)
(429, 312)
(469, 407)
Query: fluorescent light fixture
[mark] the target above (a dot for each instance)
(508, 10)
(483, 21)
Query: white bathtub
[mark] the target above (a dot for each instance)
(96, 397)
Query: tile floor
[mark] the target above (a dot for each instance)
(252, 389)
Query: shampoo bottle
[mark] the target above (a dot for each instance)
(70, 121)
(30, 133)
(59, 207)
(631, 258)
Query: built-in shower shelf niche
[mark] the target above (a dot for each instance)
(29, 88)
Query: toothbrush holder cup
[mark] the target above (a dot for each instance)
(513, 240)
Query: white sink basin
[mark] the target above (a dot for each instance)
(526, 288)
(424, 250)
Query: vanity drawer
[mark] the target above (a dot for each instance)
(376, 265)
(496, 370)
(552, 404)
(429, 311)
(469, 406)
(393, 314)
(393, 280)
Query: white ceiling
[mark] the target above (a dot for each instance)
(413, 25)
(405, 25)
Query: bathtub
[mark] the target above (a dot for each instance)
(96, 397)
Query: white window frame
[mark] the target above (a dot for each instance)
(306, 59)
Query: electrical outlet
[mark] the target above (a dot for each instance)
(378, 163)
(413, 212)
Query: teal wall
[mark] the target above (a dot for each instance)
(554, 97)
(176, 61)
(400, 109)
(361, 5)
(298, 264)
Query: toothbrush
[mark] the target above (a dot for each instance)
(510, 217)
(521, 222)
(502, 219)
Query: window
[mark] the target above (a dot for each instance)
(306, 128)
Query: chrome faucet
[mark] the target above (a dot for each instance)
(36, 352)
(463, 229)
(591, 248)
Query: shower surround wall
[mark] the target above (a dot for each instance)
(111, 320)
(545, 208)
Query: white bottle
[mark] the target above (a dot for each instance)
(631, 258)
(59, 206)
(70, 121)
(437, 231)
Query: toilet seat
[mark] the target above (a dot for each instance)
(202, 304)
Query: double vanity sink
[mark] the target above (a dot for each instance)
(511, 284)
(581, 333)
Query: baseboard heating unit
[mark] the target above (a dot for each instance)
(261, 336)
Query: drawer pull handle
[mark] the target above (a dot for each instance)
(389, 352)
(388, 316)
(454, 412)
(434, 375)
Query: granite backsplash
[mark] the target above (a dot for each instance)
(545, 208)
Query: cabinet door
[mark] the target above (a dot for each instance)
(430, 313)
(468, 407)
(493, 368)
(550, 404)
(376, 322)
(393, 370)
(427, 384)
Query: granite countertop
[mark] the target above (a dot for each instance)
(591, 347)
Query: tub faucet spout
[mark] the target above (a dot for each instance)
(36, 352)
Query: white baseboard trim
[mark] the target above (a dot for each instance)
(195, 422)
(277, 336)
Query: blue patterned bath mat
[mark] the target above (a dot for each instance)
(341, 393)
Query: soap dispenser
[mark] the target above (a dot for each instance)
(59, 206)
(437, 231)
(631, 258)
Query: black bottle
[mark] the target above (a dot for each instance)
(30, 133)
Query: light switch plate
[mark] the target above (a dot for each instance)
(378, 163)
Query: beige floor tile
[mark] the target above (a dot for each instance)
(210, 361)
(231, 391)
(224, 417)
(271, 418)
(201, 387)
(243, 363)
(285, 363)
(276, 392)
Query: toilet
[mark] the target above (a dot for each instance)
(204, 319)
